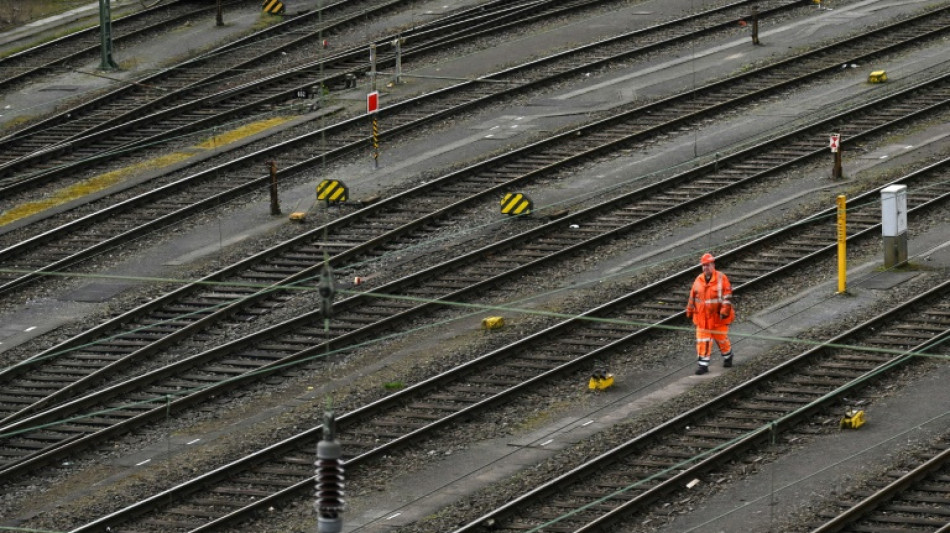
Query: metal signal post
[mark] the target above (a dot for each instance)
(372, 109)
(835, 145)
(105, 33)
(372, 104)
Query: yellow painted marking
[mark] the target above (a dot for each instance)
(240, 133)
(109, 179)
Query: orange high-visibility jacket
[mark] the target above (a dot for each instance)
(706, 299)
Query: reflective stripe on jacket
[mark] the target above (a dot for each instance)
(707, 298)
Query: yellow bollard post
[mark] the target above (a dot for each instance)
(842, 245)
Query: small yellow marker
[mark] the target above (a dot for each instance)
(852, 419)
(600, 380)
(493, 322)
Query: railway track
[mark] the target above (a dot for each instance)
(260, 284)
(658, 465)
(71, 243)
(122, 214)
(170, 319)
(911, 498)
(80, 47)
(216, 88)
(647, 466)
(161, 203)
(623, 322)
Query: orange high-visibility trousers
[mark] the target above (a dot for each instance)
(704, 340)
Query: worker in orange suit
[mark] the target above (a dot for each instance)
(710, 307)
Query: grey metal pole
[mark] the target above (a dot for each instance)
(105, 32)
(372, 65)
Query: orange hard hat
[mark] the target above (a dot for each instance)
(707, 258)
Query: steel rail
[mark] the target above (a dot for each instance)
(287, 29)
(35, 243)
(689, 468)
(287, 150)
(862, 510)
(301, 276)
(308, 438)
(131, 130)
(670, 282)
(52, 55)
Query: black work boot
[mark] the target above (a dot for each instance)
(727, 360)
(700, 370)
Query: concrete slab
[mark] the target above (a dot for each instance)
(884, 280)
(100, 291)
(762, 500)
(39, 317)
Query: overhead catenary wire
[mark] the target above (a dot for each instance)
(301, 285)
(476, 309)
(297, 286)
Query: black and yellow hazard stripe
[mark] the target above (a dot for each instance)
(332, 191)
(516, 204)
(375, 138)
(274, 7)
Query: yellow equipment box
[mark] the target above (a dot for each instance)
(878, 76)
(298, 216)
(493, 322)
(600, 380)
(852, 419)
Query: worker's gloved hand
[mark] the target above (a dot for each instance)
(689, 313)
(723, 313)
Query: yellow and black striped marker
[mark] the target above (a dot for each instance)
(515, 203)
(274, 7)
(332, 191)
(375, 141)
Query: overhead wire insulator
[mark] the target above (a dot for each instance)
(330, 504)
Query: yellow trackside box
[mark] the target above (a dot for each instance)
(600, 381)
(298, 216)
(493, 322)
(878, 76)
(852, 419)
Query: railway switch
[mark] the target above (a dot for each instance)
(493, 322)
(878, 76)
(600, 379)
(852, 419)
(515, 203)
